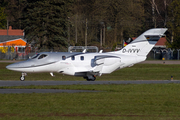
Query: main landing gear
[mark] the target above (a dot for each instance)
(22, 78)
(90, 78)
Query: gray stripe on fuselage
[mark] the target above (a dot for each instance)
(105, 56)
(37, 65)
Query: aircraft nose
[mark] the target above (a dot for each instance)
(11, 66)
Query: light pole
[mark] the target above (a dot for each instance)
(86, 34)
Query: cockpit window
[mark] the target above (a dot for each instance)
(42, 56)
(72, 58)
(35, 56)
(63, 57)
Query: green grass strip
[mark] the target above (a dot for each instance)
(146, 101)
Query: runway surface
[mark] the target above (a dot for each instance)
(27, 83)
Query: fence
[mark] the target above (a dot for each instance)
(81, 48)
(166, 54)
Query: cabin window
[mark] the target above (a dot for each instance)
(63, 57)
(35, 56)
(42, 56)
(82, 57)
(72, 58)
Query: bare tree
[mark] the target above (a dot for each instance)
(157, 10)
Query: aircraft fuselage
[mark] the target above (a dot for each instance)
(74, 63)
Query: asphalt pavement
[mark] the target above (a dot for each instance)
(161, 62)
(27, 83)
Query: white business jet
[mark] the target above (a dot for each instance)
(90, 65)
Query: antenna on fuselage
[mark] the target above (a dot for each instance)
(51, 73)
(100, 51)
(84, 51)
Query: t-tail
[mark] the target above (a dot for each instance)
(143, 44)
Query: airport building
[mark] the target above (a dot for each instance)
(12, 44)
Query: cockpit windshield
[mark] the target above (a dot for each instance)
(39, 56)
(35, 56)
(42, 56)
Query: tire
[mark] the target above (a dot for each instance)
(93, 79)
(22, 78)
(88, 79)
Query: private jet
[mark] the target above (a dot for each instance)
(90, 65)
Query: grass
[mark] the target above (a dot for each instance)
(112, 102)
(136, 72)
(147, 101)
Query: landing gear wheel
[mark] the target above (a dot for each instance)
(93, 78)
(22, 78)
(88, 79)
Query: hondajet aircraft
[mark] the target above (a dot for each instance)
(90, 65)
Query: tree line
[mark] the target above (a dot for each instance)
(103, 23)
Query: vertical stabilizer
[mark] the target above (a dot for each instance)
(143, 44)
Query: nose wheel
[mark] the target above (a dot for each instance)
(22, 78)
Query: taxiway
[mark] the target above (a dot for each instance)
(27, 83)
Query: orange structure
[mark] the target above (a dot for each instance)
(11, 43)
(19, 46)
(17, 42)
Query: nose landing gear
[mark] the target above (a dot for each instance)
(22, 78)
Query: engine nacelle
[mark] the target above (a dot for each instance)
(107, 64)
(111, 61)
(106, 60)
